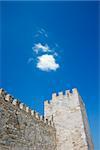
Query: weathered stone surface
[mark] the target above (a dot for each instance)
(21, 131)
(69, 117)
(64, 127)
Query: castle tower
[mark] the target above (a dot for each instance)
(70, 120)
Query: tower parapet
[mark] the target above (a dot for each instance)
(72, 131)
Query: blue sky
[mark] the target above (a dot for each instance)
(48, 47)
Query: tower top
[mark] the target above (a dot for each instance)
(62, 95)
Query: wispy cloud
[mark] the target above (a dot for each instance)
(41, 32)
(55, 54)
(30, 60)
(47, 63)
(40, 47)
(45, 54)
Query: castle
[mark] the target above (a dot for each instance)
(64, 125)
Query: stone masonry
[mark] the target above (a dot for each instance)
(64, 125)
(22, 128)
(70, 120)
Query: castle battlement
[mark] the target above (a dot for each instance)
(64, 125)
(17, 103)
(61, 95)
(70, 97)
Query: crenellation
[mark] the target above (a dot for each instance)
(68, 93)
(54, 96)
(27, 109)
(60, 95)
(63, 126)
(22, 106)
(32, 112)
(75, 91)
(22, 128)
(47, 102)
(37, 115)
(15, 102)
(2, 92)
(8, 98)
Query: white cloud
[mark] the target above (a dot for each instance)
(39, 47)
(47, 62)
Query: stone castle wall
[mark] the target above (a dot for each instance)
(86, 124)
(63, 127)
(22, 128)
(70, 119)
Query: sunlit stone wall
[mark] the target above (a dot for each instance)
(22, 128)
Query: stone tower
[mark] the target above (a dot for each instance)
(69, 116)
